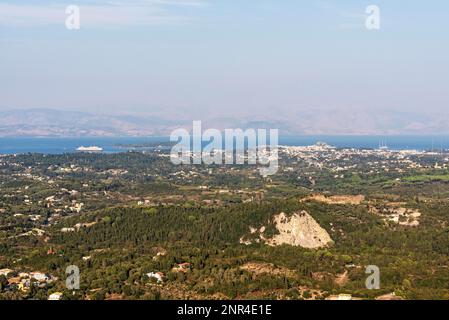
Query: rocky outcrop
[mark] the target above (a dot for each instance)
(351, 200)
(398, 215)
(299, 230)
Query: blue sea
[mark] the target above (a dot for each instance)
(114, 145)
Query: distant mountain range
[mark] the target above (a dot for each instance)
(57, 123)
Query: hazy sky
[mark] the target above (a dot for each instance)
(220, 57)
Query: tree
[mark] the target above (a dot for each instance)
(3, 282)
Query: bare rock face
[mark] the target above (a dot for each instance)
(352, 200)
(299, 230)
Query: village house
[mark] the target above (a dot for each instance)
(340, 297)
(159, 276)
(24, 285)
(14, 281)
(182, 267)
(160, 253)
(55, 296)
(39, 276)
(5, 272)
(76, 207)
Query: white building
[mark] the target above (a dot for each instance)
(39, 276)
(159, 276)
(55, 296)
(5, 272)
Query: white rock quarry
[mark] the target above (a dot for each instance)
(399, 215)
(299, 230)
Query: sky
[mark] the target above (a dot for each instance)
(224, 57)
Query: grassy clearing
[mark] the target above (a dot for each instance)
(427, 178)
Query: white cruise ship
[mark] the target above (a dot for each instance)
(89, 149)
